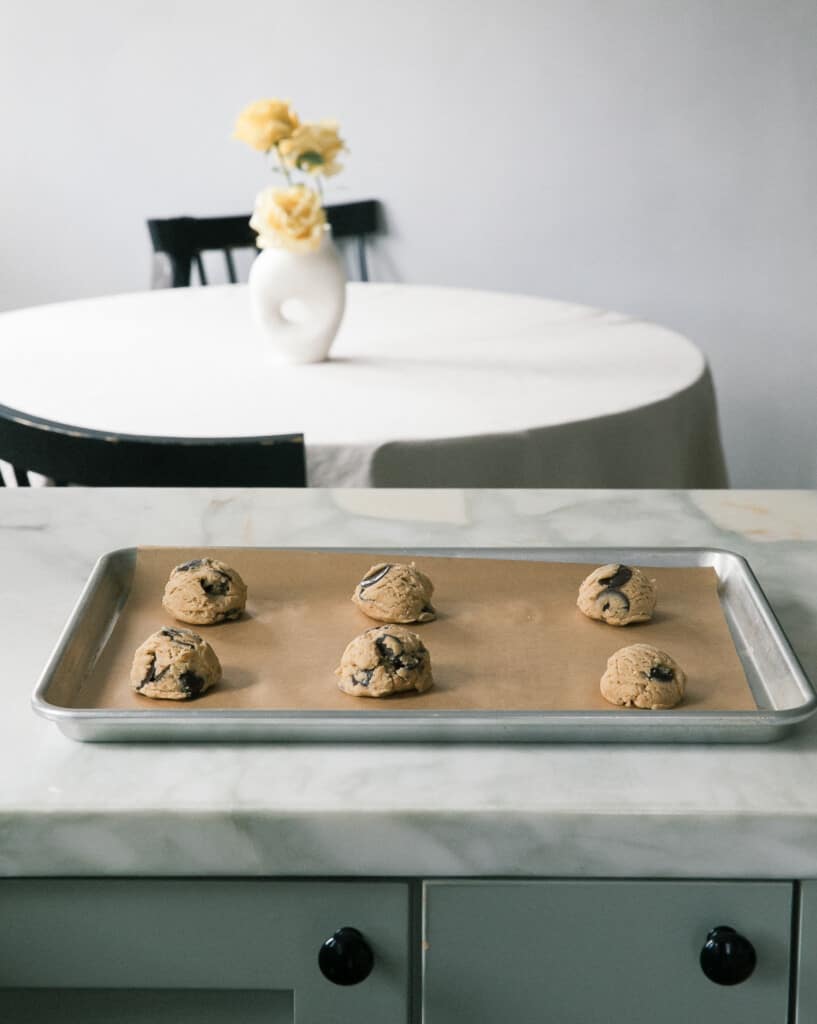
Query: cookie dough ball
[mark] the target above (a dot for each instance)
(384, 660)
(204, 591)
(174, 664)
(641, 676)
(391, 592)
(618, 595)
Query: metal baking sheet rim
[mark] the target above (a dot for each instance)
(765, 725)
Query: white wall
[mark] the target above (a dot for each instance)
(653, 156)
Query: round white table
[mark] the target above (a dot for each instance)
(425, 386)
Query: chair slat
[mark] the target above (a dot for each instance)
(361, 255)
(231, 274)
(200, 268)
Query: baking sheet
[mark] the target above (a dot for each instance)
(508, 636)
(79, 672)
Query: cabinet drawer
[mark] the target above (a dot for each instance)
(599, 952)
(807, 975)
(209, 951)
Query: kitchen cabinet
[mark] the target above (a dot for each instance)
(137, 951)
(581, 952)
(529, 950)
(807, 955)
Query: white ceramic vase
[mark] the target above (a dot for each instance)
(298, 300)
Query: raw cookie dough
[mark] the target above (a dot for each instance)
(174, 664)
(641, 676)
(384, 660)
(618, 595)
(391, 592)
(204, 591)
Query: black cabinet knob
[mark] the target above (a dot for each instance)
(346, 958)
(727, 957)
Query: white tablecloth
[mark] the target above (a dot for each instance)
(425, 387)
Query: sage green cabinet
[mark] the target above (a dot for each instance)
(807, 959)
(596, 952)
(207, 951)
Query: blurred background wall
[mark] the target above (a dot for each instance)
(657, 157)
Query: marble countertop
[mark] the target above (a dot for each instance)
(68, 808)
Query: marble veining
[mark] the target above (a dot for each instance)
(316, 810)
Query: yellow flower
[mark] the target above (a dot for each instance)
(291, 218)
(264, 123)
(313, 148)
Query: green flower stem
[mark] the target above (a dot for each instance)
(282, 166)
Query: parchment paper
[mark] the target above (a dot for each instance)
(508, 636)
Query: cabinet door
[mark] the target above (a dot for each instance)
(204, 951)
(599, 952)
(807, 973)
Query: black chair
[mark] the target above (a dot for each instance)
(184, 239)
(95, 459)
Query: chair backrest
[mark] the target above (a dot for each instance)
(184, 239)
(94, 459)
